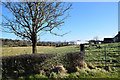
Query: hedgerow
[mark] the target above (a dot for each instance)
(22, 65)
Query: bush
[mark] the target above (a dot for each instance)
(37, 76)
(73, 75)
(71, 60)
(53, 75)
(82, 74)
(43, 76)
(22, 65)
(30, 77)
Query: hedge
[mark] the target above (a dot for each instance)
(22, 65)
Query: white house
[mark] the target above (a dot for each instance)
(72, 43)
(78, 42)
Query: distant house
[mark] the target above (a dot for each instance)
(82, 43)
(92, 42)
(117, 37)
(78, 42)
(108, 40)
(95, 42)
(72, 43)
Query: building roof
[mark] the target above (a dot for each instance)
(117, 37)
(108, 39)
(118, 34)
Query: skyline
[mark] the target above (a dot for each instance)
(88, 20)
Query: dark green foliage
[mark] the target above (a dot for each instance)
(56, 44)
(22, 43)
(15, 43)
(53, 75)
(36, 76)
(22, 65)
(73, 75)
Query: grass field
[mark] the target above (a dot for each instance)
(93, 73)
(12, 51)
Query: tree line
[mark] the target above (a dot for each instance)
(23, 43)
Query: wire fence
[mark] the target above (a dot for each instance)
(103, 56)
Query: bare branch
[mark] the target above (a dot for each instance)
(31, 18)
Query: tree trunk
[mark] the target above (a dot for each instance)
(34, 43)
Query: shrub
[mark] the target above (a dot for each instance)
(39, 76)
(71, 60)
(21, 78)
(82, 74)
(53, 75)
(72, 75)
(30, 77)
(15, 66)
(43, 76)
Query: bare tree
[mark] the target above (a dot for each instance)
(31, 18)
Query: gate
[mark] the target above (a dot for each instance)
(103, 56)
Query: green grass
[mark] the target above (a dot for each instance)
(12, 51)
(90, 55)
(88, 73)
(110, 55)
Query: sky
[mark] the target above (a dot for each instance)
(88, 20)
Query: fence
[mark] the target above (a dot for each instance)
(103, 56)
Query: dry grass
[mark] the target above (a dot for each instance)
(12, 51)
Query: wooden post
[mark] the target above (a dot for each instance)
(81, 47)
(105, 57)
(56, 58)
(82, 51)
(82, 54)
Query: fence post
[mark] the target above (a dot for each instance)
(105, 56)
(56, 58)
(82, 51)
